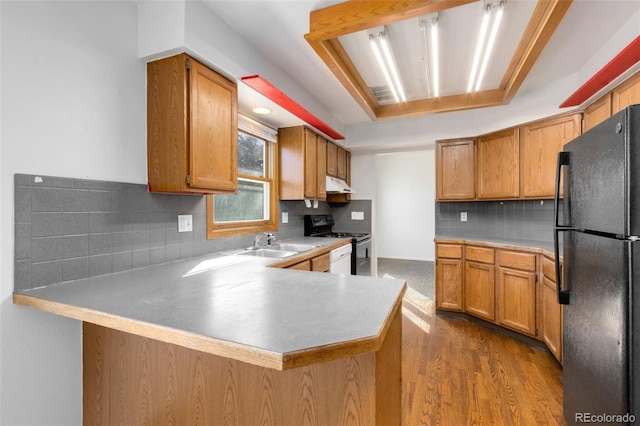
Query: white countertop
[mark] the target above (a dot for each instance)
(233, 306)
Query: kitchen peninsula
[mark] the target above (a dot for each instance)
(227, 339)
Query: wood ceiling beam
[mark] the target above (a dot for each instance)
(357, 15)
(329, 23)
(340, 64)
(545, 19)
(460, 102)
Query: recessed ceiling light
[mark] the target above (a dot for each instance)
(262, 110)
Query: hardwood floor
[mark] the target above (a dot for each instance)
(456, 372)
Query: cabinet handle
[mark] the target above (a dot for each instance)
(564, 159)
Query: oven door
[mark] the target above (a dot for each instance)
(361, 264)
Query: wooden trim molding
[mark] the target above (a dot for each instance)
(329, 23)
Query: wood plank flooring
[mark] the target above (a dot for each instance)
(456, 372)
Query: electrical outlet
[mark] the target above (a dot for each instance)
(463, 216)
(285, 217)
(185, 223)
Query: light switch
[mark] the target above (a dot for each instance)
(463, 216)
(357, 215)
(185, 223)
(285, 217)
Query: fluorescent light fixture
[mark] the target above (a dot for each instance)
(262, 110)
(429, 28)
(384, 56)
(491, 10)
(434, 60)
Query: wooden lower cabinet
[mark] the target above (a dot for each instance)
(449, 276)
(479, 290)
(503, 287)
(550, 310)
(449, 284)
(517, 300)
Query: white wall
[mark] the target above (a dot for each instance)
(73, 104)
(405, 205)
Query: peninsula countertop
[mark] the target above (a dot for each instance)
(236, 307)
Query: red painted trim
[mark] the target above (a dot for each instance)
(273, 93)
(624, 60)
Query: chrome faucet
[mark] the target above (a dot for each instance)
(270, 238)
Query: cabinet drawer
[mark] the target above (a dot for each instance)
(479, 254)
(451, 251)
(516, 260)
(320, 263)
(305, 265)
(549, 268)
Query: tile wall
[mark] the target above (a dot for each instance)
(68, 229)
(516, 220)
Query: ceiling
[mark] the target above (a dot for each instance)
(278, 29)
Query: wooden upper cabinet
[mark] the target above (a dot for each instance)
(332, 159)
(456, 169)
(498, 161)
(627, 93)
(302, 166)
(597, 112)
(539, 146)
(321, 167)
(192, 124)
(342, 163)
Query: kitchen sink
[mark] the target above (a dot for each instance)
(267, 252)
(298, 248)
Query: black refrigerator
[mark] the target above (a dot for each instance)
(599, 287)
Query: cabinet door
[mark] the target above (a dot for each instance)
(551, 321)
(342, 163)
(628, 93)
(479, 297)
(499, 165)
(310, 166)
(332, 159)
(597, 112)
(213, 128)
(540, 144)
(449, 284)
(456, 170)
(517, 300)
(321, 167)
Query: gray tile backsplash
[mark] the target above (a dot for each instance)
(517, 220)
(68, 229)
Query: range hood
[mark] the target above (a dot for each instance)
(338, 186)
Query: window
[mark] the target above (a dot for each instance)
(253, 208)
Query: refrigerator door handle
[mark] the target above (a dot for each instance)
(563, 160)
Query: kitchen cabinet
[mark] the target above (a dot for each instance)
(342, 198)
(516, 291)
(449, 284)
(342, 163)
(479, 282)
(192, 125)
(456, 169)
(627, 93)
(597, 112)
(498, 165)
(305, 265)
(302, 169)
(332, 159)
(550, 310)
(321, 263)
(540, 143)
(321, 167)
